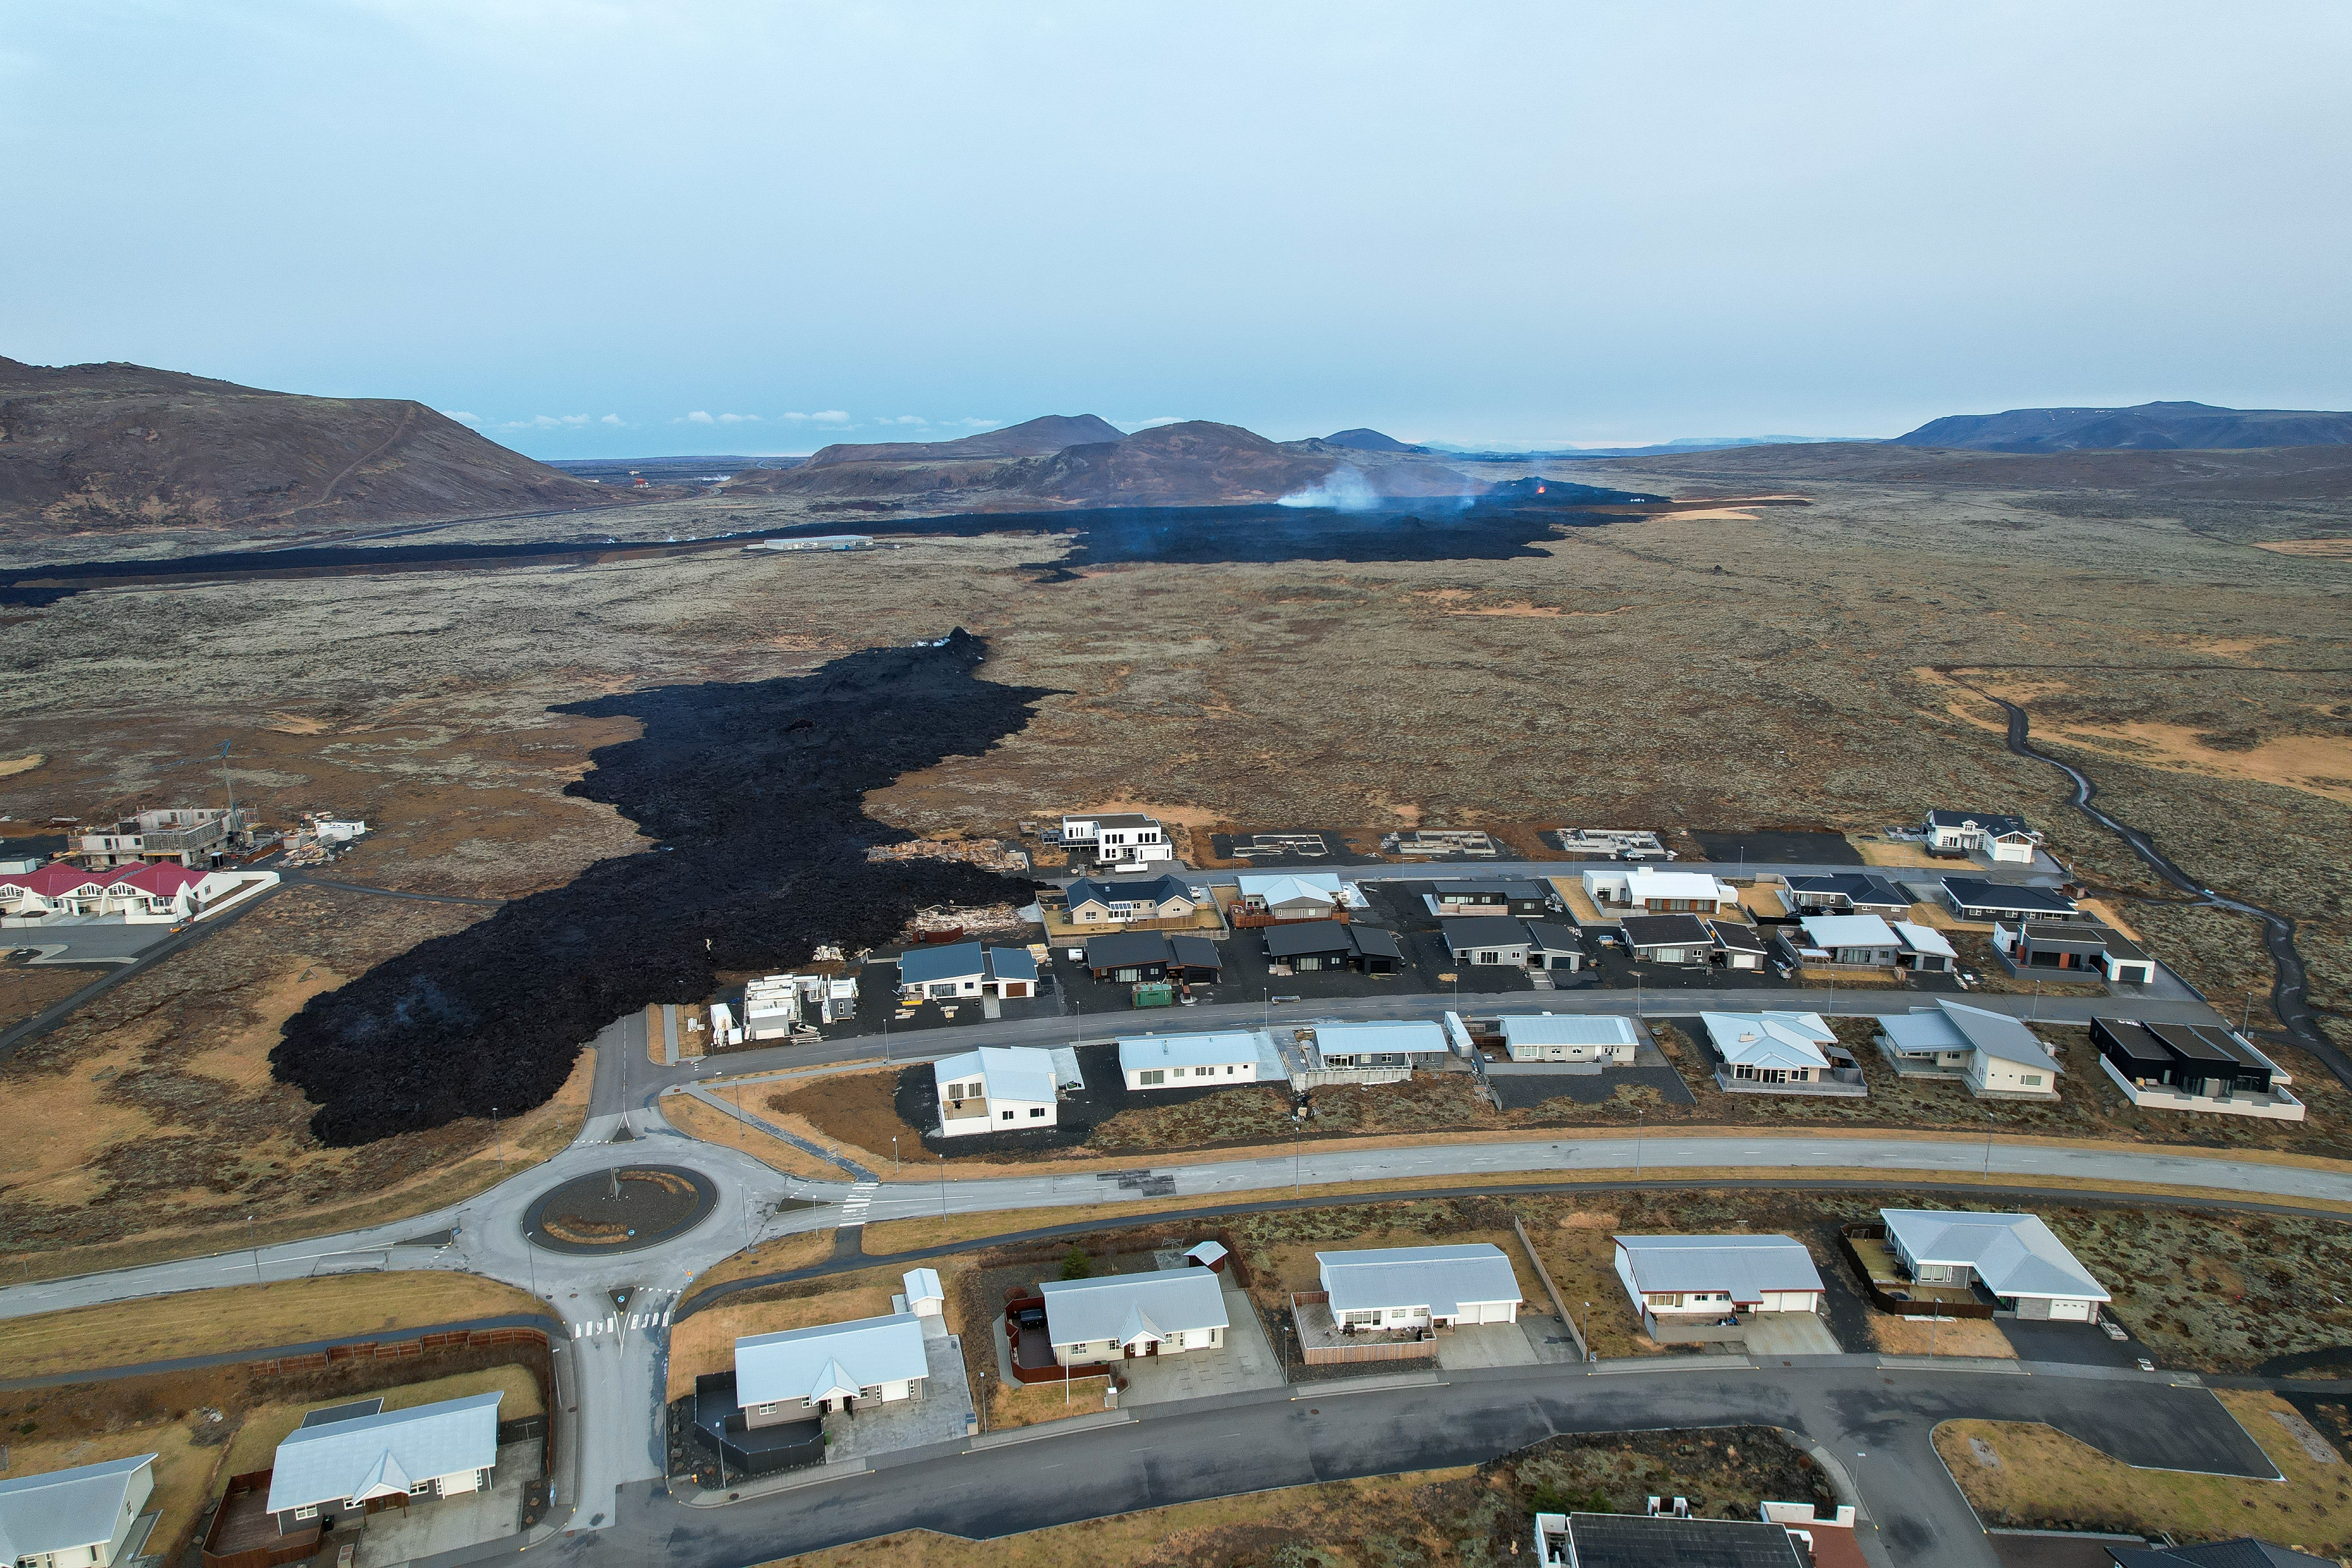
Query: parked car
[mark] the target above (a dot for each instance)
(2145, 1364)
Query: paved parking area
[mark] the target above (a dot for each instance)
(428, 1527)
(1789, 1333)
(1489, 1344)
(944, 1412)
(1246, 1362)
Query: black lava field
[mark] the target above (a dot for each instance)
(753, 793)
(1496, 526)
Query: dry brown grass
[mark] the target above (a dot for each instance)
(709, 1124)
(800, 1250)
(2043, 1476)
(264, 1427)
(1029, 1405)
(249, 1317)
(705, 1343)
(1950, 1336)
(1190, 1534)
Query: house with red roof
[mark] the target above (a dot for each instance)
(155, 892)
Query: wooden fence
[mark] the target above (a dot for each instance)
(1334, 1355)
(1871, 1230)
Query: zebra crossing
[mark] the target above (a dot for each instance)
(854, 1207)
(649, 1319)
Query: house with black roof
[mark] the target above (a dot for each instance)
(1129, 957)
(1661, 1541)
(1737, 946)
(1551, 945)
(2073, 950)
(1311, 946)
(1491, 939)
(1669, 939)
(2193, 1067)
(1496, 898)
(1846, 893)
(1975, 899)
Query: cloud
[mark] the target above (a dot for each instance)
(903, 419)
(978, 424)
(611, 419)
(825, 417)
(702, 416)
(549, 422)
(1132, 425)
(464, 418)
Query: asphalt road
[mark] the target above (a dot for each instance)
(1489, 870)
(614, 1506)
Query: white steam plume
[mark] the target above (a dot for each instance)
(1342, 489)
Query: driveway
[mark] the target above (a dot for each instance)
(1246, 1364)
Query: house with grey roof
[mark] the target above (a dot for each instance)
(1213, 1059)
(1170, 1311)
(335, 1464)
(2013, 1257)
(1164, 898)
(80, 1518)
(1420, 1287)
(1605, 1037)
(1996, 1056)
(1003, 1088)
(1844, 893)
(1689, 1278)
(790, 1375)
(954, 970)
(1976, 899)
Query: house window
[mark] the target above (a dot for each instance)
(1037, 1110)
(1490, 957)
(1232, 1070)
(1743, 1072)
(420, 1489)
(1365, 1320)
(311, 1512)
(871, 1390)
(1151, 1076)
(1005, 1116)
(1177, 1071)
(1128, 976)
(2029, 1080)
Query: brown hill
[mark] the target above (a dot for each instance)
(1030, 438)
(2271, 474)
(1197, 463)
(113, 447)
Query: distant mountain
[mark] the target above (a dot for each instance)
(117, 448)
(1196, 463)
(2149, 427)
(1030, 438)
(1661, 449)
(1362, 440)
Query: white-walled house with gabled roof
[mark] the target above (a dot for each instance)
(1210, 1061)
(334, 1469)
(790, 1376)
(2014, 1256)
(77, 1517)
(1420, 1287)
(1002, 1088)
(1166, 1312)
(1779, 1053)
(1996, 1056)
(1711, 1276)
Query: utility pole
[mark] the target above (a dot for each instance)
(257, 1248)
(894, 1154)
(497, 1143)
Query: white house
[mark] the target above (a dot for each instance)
(1420, 1287)
(336, 1467)
(1996, 1056)
(1711, 1276)
(2014, 1256)
(1645, 891)
(1166, 1312)
(1126, 839)
(1850, 942)
(1998, 838)
(1191, 1061)
(1290, 896)
(1778, 1052)
(788, 1376)
(155, 892)
(79, 1517)
(1570, 1037)
(919, 1289)
(1002, 1088)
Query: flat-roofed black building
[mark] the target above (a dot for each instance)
(2194, 1059)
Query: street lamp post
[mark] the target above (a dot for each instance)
(894, 1154)
(1587, 1346)
(257, 1248)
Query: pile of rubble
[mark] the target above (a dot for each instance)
(988, 854)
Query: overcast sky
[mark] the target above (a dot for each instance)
(629, 229)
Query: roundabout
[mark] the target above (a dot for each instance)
(625, 1209)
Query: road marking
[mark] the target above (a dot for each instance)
(854, 1207)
